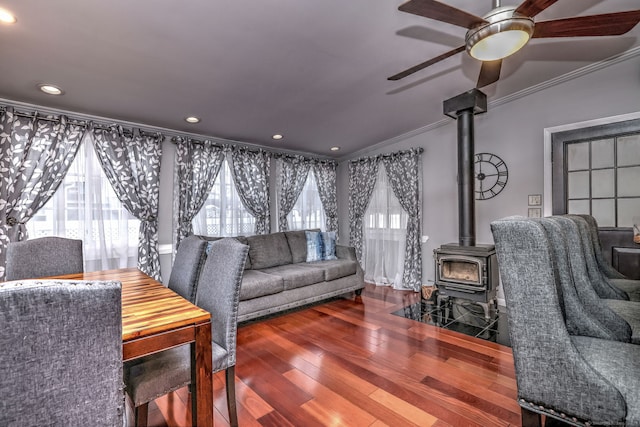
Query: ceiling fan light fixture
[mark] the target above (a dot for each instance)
(505, 33)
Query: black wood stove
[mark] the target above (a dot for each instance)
(464, 269)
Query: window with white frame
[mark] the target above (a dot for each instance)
(223, 214)
(85, 207)
(307, 212)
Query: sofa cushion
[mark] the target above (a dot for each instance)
(268, 250)
(298, 245)
(296, 275)
(315, 246)
(334, 269)
(258, 284)
(329, 247)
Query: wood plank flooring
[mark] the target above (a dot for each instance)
(349, 362)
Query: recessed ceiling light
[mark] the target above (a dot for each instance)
(335, 148)
(192, 119)
(50, 89)
(7, 17)
(277, 136)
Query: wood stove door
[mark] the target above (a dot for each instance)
(461, 269)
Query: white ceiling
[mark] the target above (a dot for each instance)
(314, 70)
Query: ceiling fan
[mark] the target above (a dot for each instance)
(506, 29)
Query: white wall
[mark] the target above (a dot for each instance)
(515, 132)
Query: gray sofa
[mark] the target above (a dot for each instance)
(277, 276)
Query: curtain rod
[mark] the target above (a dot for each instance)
(82, 123)
(418, 150)
(103, 121)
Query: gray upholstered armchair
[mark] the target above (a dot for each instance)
(595, 259)
(574, 378)
(45, 256)
(61, 362)
(609, 311)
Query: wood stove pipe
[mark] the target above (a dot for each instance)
(462, 108)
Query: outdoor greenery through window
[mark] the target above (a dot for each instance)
(85, 207)
(307, 212)
(223, 214)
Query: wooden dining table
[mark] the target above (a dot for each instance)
(154, 318)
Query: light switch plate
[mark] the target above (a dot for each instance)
(535, 212)
(535, 199)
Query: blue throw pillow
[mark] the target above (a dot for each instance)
(315, 246)
(329, 240)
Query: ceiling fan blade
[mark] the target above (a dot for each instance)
(489, 73)
(608, 24)
(442, 12)
(531, 8)
(425, 64)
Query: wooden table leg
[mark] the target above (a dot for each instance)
(202, 377)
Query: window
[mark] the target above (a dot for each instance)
(307, 212)
(85, 207)
(596, 172)
(223, 214)
(385, 228)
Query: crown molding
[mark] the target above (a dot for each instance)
(596, 66)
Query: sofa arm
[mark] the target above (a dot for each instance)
(346, 252)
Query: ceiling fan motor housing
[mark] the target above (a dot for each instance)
(503, 34)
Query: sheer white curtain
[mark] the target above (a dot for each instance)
(307, 212)
(85, 207)
(223, 214)
(385, 229)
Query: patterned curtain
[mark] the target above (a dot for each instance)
(131, 162)
(35, 154)
(291, 179)
(362, 180)
(403, 171)
(325, 173)
(197, 164)
(250, 169)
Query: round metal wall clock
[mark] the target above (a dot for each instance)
(491, 175)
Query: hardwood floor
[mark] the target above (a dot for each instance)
(349, 362)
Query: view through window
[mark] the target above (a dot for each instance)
(307, 212)
(223, 214)
(85, 207)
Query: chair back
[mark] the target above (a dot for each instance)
(45, 256)
(601, 284)
(187, 265)
(586, 314)
(61, 362)
(606, 268)
(219, 292)
(549, 369)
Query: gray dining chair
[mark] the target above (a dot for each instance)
(61, 362)
(44, 256)
(187, 265)
(580, 380)
(218, 292)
